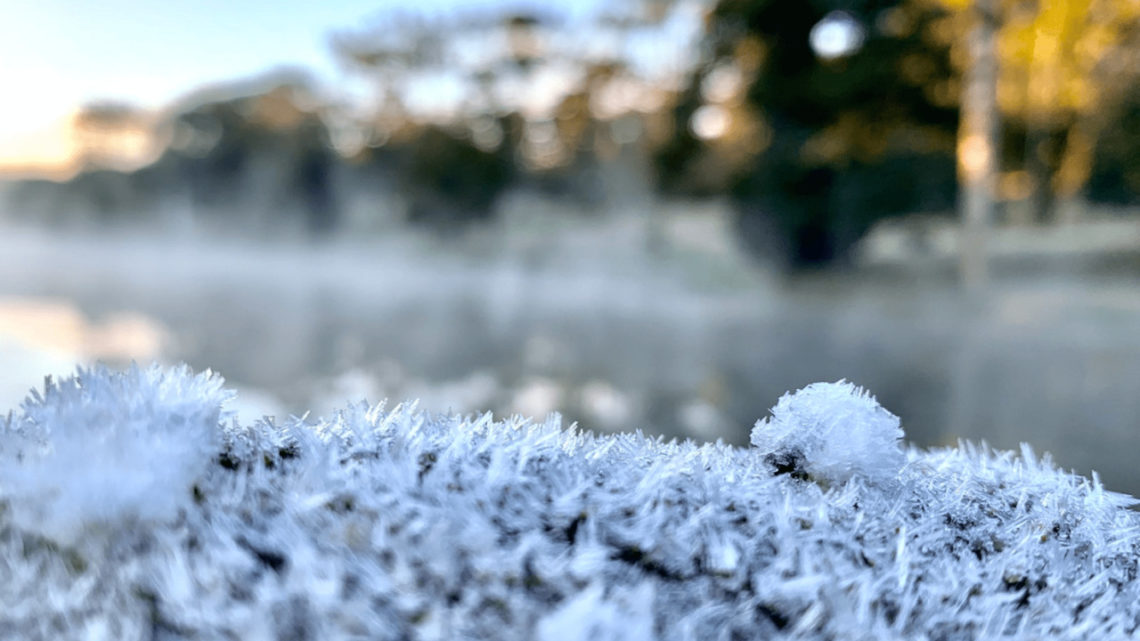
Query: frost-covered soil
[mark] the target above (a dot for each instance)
(132, 506)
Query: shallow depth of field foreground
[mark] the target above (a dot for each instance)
(133, 506)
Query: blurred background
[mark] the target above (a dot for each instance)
(654, 214)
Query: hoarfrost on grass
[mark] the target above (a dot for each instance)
(133, 507)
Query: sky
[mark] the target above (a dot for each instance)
(56, 55)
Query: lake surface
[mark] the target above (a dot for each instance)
(670, 343)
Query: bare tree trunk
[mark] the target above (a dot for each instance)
(1037, 153)
(977, 146)
(1076, 166)
(1042, 97)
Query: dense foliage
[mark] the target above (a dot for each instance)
(827, 145)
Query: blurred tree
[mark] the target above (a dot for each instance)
(544, 101)
(1064, 64)
(447, 152)
(111, 135)
(253, 154)
(818, 118)
(822, 117)
(1115, 174)
(449, 181)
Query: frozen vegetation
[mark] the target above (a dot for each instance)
(133, 506)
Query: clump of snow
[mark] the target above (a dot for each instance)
(382, 523)
(832, 431)
(101, 448)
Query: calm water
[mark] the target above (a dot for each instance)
(668, 343)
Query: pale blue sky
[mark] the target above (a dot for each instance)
(58, 54)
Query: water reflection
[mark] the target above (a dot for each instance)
(42, 336)
(58, 326)
(50, 336)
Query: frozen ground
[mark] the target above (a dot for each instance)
(680, 339)
(132, 507)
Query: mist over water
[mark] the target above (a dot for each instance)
(588, 320)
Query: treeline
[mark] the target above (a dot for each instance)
(814, 119)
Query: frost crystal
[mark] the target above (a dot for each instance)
(99, 447)
(832, 431)
(130, 509)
